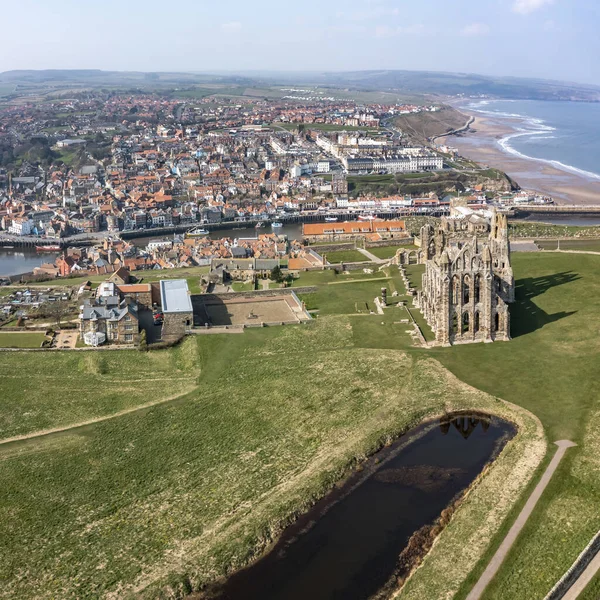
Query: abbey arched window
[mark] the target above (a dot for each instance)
(454, 323)
(477, 289)
(497, 322)
(456, 289)
(465, 323)
(476, 324)
(466, 289)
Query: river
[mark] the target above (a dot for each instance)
(348, 545)
(14, 261)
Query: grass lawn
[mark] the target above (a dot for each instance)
(178, 494)
(586, 245)
(21, 339)
(346, 256)
(414, 273)
(387, 251)
(53, 389)
(240, 286)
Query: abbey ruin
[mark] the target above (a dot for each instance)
(468, 281)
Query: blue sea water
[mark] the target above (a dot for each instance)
(563, 134)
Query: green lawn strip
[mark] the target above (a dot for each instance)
(421, 322)
(57, 389)
(346, 256)
(183, 492)
(386, 251)
(357, 297)
(583, 245)
(21, 339)
(242, 286)
(414, 273)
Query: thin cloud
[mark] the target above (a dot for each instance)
(526, 7)
(384, 31)
(232, 27)
(475, 29)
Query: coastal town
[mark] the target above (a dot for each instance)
(111, 164)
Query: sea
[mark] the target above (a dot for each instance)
(565, 135)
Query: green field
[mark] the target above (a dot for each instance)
(583, 245)
(174, 495)
(346, 256)
(21, 339)
(388, 251)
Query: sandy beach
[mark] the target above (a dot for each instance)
(480, 144)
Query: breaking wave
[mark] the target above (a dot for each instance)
(531, 127)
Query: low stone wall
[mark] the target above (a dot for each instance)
(324, 248)
(395, 242)
(256, 293)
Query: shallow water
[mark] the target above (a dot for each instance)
(347, 546)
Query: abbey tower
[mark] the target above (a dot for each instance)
(468, 281)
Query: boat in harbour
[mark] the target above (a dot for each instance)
(192, 233)
(330, 219)
(51, 248)
(276, 225)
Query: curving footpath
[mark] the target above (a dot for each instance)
(515, 530)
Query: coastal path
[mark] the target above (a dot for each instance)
(515, 530)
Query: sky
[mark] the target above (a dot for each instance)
(554, 39)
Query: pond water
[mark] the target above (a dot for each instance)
(348, 545)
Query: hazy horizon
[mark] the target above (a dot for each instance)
(545, 39)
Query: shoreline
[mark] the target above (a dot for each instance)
(481, 143)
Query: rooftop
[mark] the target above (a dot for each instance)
(175, 296)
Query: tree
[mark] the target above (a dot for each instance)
(143, 342)
(57, 310)
(276, 274)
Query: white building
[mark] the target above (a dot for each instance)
(21, 226)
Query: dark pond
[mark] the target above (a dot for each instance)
(347, 546)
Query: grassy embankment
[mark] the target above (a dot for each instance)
(534, 230)
(177, 494)
(443, 182)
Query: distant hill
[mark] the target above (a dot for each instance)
(453, 84)
(417, 83)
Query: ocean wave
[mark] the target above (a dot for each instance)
(506, 146)
(532, 126)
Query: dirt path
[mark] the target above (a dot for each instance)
(515, 530)
(127, 411)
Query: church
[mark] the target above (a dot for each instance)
(468, 281)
